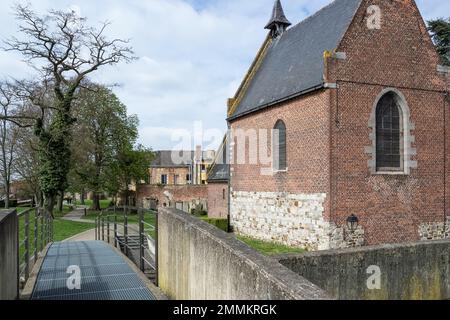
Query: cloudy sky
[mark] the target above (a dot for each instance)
(192, 56)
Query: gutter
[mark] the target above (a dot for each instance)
(270, 104)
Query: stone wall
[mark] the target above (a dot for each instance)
(292, 219)
(296, 220)
(389, 272)
(184, 197)
(200, 262)
(9, 286)
(434, 231)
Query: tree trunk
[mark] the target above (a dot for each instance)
(7, 191)
(96, 202)
(82, 198)
(50, 205)
(60, 201)
(41, 199)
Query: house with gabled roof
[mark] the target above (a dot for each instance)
(355, 104)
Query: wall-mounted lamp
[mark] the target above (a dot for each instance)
(352, 222)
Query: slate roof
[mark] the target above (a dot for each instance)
(219, 173)
(164, 159)
(293, 64)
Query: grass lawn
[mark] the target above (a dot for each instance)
(66, 229)
(61, 229)
(269, 248)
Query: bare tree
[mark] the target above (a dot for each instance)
(64, 51)
(8, 140)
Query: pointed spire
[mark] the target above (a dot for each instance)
(278, 23)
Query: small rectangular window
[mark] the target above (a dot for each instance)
(164, 179)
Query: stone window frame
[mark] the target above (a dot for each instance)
(407, 151)
(275, 162)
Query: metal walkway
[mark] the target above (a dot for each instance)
(105, 275)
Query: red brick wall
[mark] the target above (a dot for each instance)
(399, 55)
(184, 193)
(307, 135)
(218, 199)
(328, 131)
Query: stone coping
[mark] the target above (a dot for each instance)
(359, 250)
(298, 287)
(4, 213)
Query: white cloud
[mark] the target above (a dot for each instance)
(192, 54)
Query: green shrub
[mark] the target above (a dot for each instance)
(198, 211)
(222, 224)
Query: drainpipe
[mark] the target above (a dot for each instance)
(228, 162)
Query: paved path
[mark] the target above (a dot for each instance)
(84, 236)
(105, 275)
(77, 216)
(89, 235)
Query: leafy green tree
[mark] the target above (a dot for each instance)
(440, 32)
(64, 51)
(129, 168)
(102, 121)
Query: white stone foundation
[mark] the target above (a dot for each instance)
(295, 220)
(434, 231)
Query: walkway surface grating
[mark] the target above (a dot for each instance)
(105, 275)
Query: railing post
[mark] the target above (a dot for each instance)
(103, 228)
(41, 217)
(156, 248)
(141, 239)
(125, 230)
(36, 234)
(51, 230)
(47, 230)
(17, 254)
(98, 228)
(115, 231)
(107, 227)
(27, 245)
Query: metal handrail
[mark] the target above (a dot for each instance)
(20, 214)
(107, 221)
(33, 242)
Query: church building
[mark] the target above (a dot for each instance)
(356, 102)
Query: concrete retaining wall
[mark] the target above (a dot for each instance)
(8, 255)
(414, 271)
(200, 262)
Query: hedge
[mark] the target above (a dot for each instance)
(222, 224)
